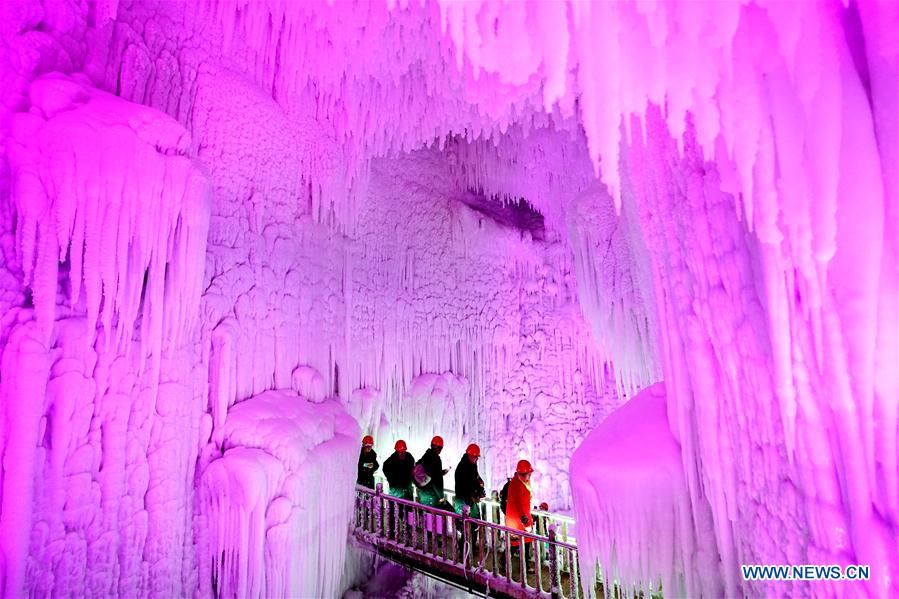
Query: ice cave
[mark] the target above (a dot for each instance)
(448, 298)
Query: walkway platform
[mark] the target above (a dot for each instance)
(474, 554)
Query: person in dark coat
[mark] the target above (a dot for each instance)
(432, 494)
(398, 470)
(469, 490)
(469, 484)
(368, 463)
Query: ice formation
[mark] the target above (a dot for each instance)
(273, 490)
(461, 290)
(108, 188)
(633, 506)
(492, 220)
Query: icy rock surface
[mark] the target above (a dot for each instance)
(276, 501)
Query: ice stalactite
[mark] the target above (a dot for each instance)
(615, 289)
(275, 502)
(327, 57)
(633, 506)
(110, 189)
(545, 163)
(883, 63)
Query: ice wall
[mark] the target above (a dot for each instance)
(549, 165)
(100, 418)
(107, 498)
(273, 297)
(722, 341)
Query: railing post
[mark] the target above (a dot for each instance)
(366, 512)
(379, 511)
(466, 511)
(553, 564)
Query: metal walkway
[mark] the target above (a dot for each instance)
(472, 553)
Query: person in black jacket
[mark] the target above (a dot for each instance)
(368, 463)
(469, 488)
(469, 484)
(432, 494)
(398, 470)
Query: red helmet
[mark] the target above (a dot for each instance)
(524, 467)
(437, 441)
(473, 450)
(400, 445)
(368, 440)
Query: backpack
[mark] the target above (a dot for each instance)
(419, 475)
(504, 496)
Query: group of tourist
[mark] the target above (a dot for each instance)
(404, 473)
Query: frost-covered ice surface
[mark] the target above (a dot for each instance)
(201, 202)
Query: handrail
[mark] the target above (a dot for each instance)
(542, 518)
(441, 512)
(482, 553)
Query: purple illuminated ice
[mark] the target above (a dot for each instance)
(494, 221)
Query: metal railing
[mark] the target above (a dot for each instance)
(480, 553)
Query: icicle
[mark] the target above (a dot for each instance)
(104, 225)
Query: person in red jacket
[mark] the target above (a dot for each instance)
(518, 508)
